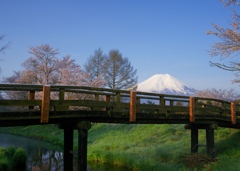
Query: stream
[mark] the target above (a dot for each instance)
(43, 156)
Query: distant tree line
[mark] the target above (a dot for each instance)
(45, 67)
(228, 95)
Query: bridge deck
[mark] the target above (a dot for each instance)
(37, 104)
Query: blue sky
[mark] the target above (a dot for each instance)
(158, 37)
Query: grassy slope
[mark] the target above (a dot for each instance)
(145, 147)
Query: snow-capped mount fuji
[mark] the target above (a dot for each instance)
(165, 84)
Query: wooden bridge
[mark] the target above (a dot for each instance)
(76, 107)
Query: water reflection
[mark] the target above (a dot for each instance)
(44, 156)
(46, 160)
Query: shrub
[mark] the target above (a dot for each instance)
(3, 160)
(20, 159)
(10, 151)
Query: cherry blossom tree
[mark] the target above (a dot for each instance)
(42, 67)
(229, 44)
(221, 94)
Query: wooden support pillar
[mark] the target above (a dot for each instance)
(210, 142)
(194, 140)
(83, 128)
(209, 137)
(68, 148)
(82, 149)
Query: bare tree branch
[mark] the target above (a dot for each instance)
(234, 67)
(230, 44)
(230, 2)
(4, 47)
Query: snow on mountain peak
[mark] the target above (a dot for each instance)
(165, 84)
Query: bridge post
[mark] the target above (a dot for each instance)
(45, 104)
(31, 96)
(192, 109)
(83, 128)
(107, 99)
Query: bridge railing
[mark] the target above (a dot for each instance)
(215, 108)
(19, 96)
(61, 98)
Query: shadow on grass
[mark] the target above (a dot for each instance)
(229, 142)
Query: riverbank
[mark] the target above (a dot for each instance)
(145, 147)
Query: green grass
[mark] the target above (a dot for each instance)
(146, 147)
